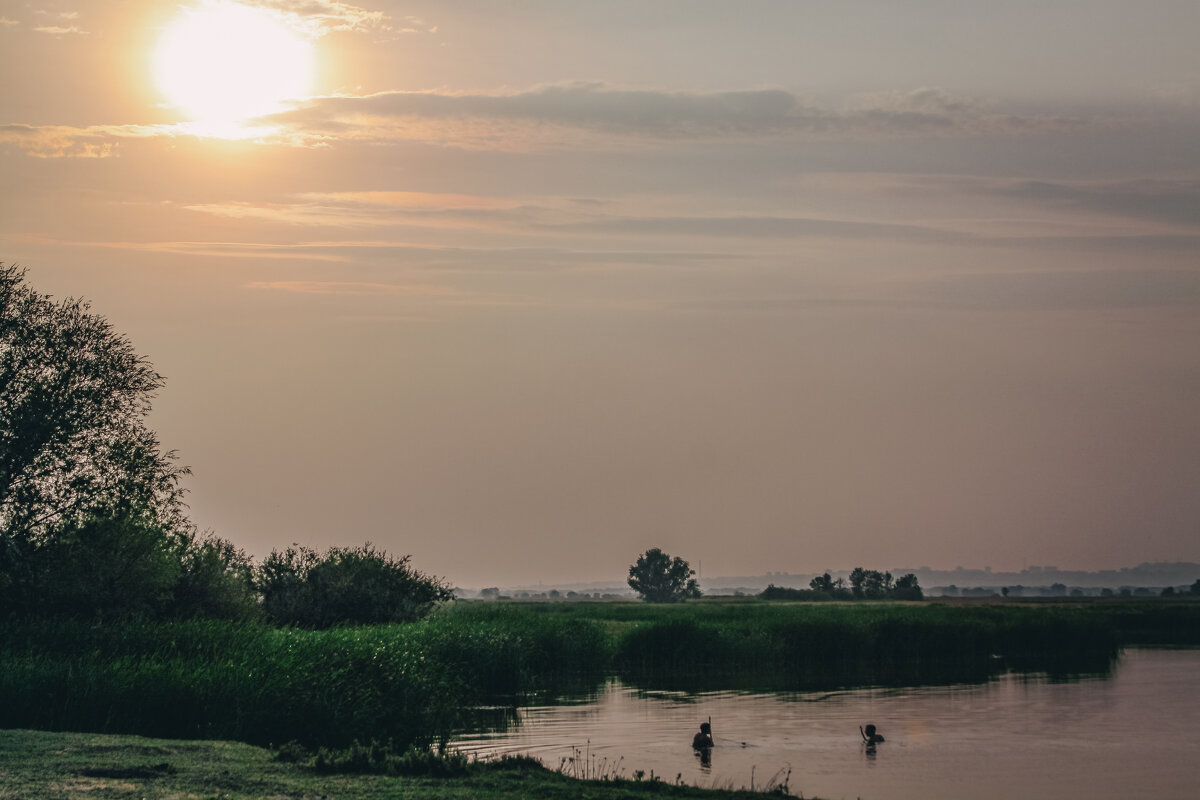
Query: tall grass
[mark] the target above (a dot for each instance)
(259, 684)
(416, 682)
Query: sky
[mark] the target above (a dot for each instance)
(523, 289)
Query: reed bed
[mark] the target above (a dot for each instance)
(417, 682)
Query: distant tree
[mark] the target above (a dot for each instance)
(773, 592)
(1168, 592)
(870, 584)
(346, 585)
(1195, 587)
(658, 578)
(858, 577)
(907, 588)
(490, 593)
(826, 583)
(74, 444)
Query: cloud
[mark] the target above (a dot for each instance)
(1175, 202)
(64, 141)
(6, 22)
(319, 17)
(472, 118)
(428, 257)
(58, 30)
(378, 210)
(352, 288)
(1089, 289)
(768, 227)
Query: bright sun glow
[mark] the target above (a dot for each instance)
(223, 63)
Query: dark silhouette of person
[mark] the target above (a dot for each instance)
(703, 738)
(870, 736)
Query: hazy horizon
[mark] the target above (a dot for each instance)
(526, 290)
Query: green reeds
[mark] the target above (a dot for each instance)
(417, 683)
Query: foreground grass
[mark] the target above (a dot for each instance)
(66, 766)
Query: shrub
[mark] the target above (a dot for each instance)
(216, 580)
(102, 567)
(359, 585)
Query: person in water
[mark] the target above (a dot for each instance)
(703, 738)
(871, 736)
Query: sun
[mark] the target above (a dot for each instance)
(223, 63)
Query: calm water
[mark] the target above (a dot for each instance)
(1133, 733)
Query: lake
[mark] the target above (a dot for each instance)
(1133, 732)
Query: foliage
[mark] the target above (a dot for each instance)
(658, 578)
(74, 444)
(216, 580)
(346, 585)
(110, 567)
(865, 585)
(415, 683)
(773, 592)
(102, 567)
(907, 588)
(835, 589)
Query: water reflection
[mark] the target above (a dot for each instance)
(1100, 733)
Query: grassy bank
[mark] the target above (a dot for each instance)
(416, 682)
(67, 766)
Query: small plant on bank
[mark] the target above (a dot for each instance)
(385, 758)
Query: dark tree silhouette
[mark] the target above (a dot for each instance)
(907, 588)
(658, 578)
(74, 443)
(346, 585)
(826, 583)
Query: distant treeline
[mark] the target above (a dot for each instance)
(864, 584)
(1062, 590)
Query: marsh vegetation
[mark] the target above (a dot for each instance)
(416, 683)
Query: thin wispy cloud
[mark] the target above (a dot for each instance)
(352, 288)
(1055, 290)
(1173, 202)
(320, 17)
(657, 115)
(59, 30)
(92, 141)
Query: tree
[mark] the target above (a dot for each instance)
(658, 578)
(870, 583)
(74, 444)
(907, 588)
(834, 587)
